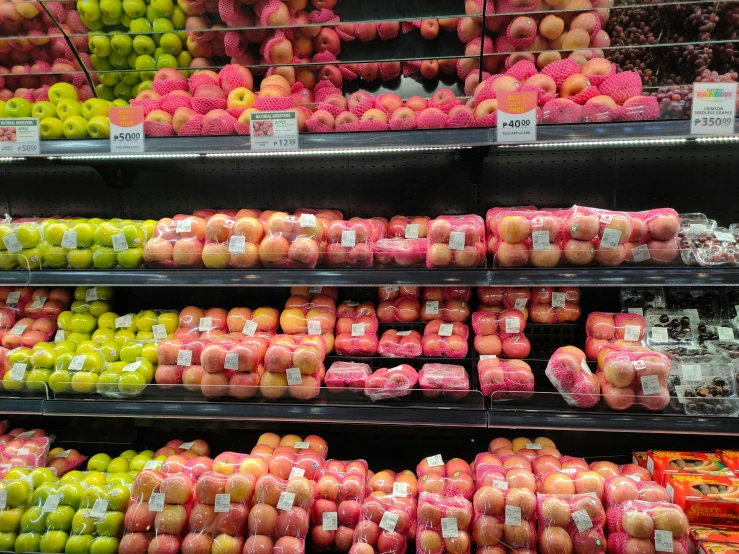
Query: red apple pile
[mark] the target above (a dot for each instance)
(551, 305)
(635, 523)
(400, 344)
(557, 528)
(622, 488)
(28, 315)
(605, 329)
(391, 382)
(432, 509)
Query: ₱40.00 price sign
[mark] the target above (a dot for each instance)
(126, 129)
(274, 130)
(516, 117)
(714, 109)
(19, 136)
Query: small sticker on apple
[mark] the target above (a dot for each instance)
(91, 294)
(663, 541)
(18, 329)
(99, 508)
(301, 445)
(38, 302)
(18, 371)
(69, 240)
(293, 376)
(223, 503)
(286, 501)
(159, 331)
(156, 502)
(119, 242)
(184, 358)
(315, 290)
(435, 461)
(650, 384)
(236, 244)
(13, 297)
(520, 304)
(404, 333)
(3, 499)
(502, 485)
(456, 240)
(349, 238)
(512, 325)
(582, 520)
(533, 446)
(411, 231)
(153, 464)
(640, 253)
(133, 366)
(250, 327)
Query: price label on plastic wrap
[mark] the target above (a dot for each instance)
(635, 478)
(77, 363)
(641, 253)
(187, 445)
(714, 109)
(502, 485)
(301, 445)
(159, 332)
(445, 329)
(274, 130)
(611, 238)
(520, 304)
(123, 321)
(69, 240)
(12, 244)
(293, 376)
(558, 299)
(23, 452)
(357, 329)
(663, 539)
(516, 117)
(315, 290)
(250, 327)
(38, 302)
(184, 357)
(153, 464)
(314, 327)
(456, 240)
(99, 508)
(692, 372)
(449, 529)
(388, 522)
(286, 501)
(404, 333)
(232, 361)
(52, 502)
(330, 521)
(22, 135)
(307, 220)
(133, 366)
(13, 297)
(650, 384)
(411, 231)
(119, 242)
(582, 520)
(18, 330)
(349, 238)
(697, 228)
(533, 446)
(400, 489)
(184, 226)
(512, 325)
(670, 492)
(659, 335)
(568, 470)
(156, 502)
(91, 294)
(391, 288)
(725, 333)
(296, 472)
(513, 515)
(637, 311)
(223, 503)
(540, 240)
(584, 367)
(3, 499)
(432, 308)
(18, 371)
(632, 332)
(63, 454)
(724, 236)
(680, 391)
(236, 245)
(126, 129)
(206, 324)
(435, 461)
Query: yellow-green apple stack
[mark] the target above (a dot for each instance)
(21, 245)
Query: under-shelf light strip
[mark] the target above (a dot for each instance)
(585, 143)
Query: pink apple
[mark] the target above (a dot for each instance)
(169, 74)
(159, 115)
(209, 91)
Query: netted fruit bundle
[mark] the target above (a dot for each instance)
(568, 371)
(634, 524)
(501, 333)
(555, 305)
(603, 329)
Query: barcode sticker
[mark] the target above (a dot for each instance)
(404, 333)
(650, 384)
(119, 242)
(611, 238)
(63, 454)
(357, 329)
(12, 244)
(286, 501)
(23, 452)
(13, 297)
(435, 461)
(293, 376)
(38, 302)
(69, 240)
(133, 366)
(558, 299)
(330, 521)
(456, 240)
(52, 502)
(692, 372)
(18, 330)
(153, 464)
(349, 238)
(663, 541)
(296, 472)
(411, 231)
(389, 521)
(632, 333)
(250, 327)
(432, 308)
(18, 371)
(223, 503)
(520, 304)
(156, 502)
(637, 311)
(236, 244)
(205, 324)
(513, 515)
(512, 325)
(77, 363)
(540, 240)
(640, 253)
(123, 321)
(301, 445)
(315, 290)
(184, 226)
(445, 329)
(502, 485)
(307, 220)
(232, 361)
(569, 470)
(659, 335)
(725, 333)
(3, 499)
(159, 331)
(314, 327)
(533, 446)
(91, 294)
(582, 520)
(400, 489)
(724, 237)
(99, 508)
(184, 358)
(449, 528)
(187, 445)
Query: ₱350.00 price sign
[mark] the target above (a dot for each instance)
(714, 109)
(19, 136)
(126, 129)
(516, 117)
(274, 130)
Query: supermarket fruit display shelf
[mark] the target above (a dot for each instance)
(635, 134)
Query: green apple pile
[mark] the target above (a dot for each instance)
(128, 463)
(130, 40)
(20, 245)
(94, 243)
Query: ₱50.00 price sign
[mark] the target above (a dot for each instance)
(19, 136)
(126, 129)
(714, 109)
(516, 117)
(274, 130)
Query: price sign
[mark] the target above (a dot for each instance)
(456, 240)
(650, 384)
(296, 472)
(540, 240)
(314, 327)
(611, 238)
(582, 520)
(293, 376)
(69, 240)
(123, 321)
(692, 372)
(411, 231)
(714, 109)
(99, 508)
(632, 333)
(659, 335)
(20, 136)
(558, 299)
(184, 358)
(126, 129)
(446, 329)
(52, 502)
(641, 253)
(302, 445)
(274, 130)
(357, 329)
(663, 539)
(516, 119)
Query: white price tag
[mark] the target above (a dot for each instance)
(184, 358)
(63, 454)
(330, 521)
(205, 324)
(52, 502)
(569, 470)
(533, 446)
(23, 452)
(293, 376)
(582, 520)
(404, 334)
(456, 240)
(663, 539)
(445, 329)
(411, 231)
(123, 321)
(512, 325)
(156, 502)
(296, 472)
(12, 244)
(223, 503)
(512, 515)
(99, 508)
(274, 130)
(520, 304)
(714, 109)
(611, 238)
(119, 242)
(250, 327)
(187, 445)
(159, 331)
(184, 226)
(697, 228)
(91, 294)
(724, 236)
(307, 220)
(18, 371)
(153, 464)
(659, 335)
(357, 329)
(389, 521)
(432, 308)
(502, 485)
(23, 136)
(400, 489)
(13, 297)
(314, 327)
(435, 461)
(637, 311)
(640, 253)
(3, 499)
(670, 492)
(449, 528)
(126, 130)
(77, 363)
(18, 329)
(558, 299)
(540, 240)
(286, 501)
(635, 478)
(38, 302)
(302, 445)
(725, 333)
(519, 127)
(232, 361)
(632, 333)
(69, 240)
(692, 372)
(650, 384)
(349, 238)
(236, 245)
(133, 366)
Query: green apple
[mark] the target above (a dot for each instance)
(98, 307)
(19, 493)
(53, 542)
(43, 358)
(123, 91)
(18, 107)
(33, 520)
(121, 44)
(144, 85)
(28, 234)
(90, 9)
(2, 108)
(67, 107)
(105, 91)
(94, 107)
(99, 63)
(82, 522)
(99, 45)
(134, 8)
(98, 462)
(95, 25)
(140, 25)
(144, 45)
(120, 103)
(111, 525)
(28, 542)
(71, 493)
(60, 381)
(99, 127)
(131, 258)
(112, 9)
(7, 541)
(104, 545)
(145, 62)
(139, 461)
(41, 475)
(158, 53)
(85, 235)
(79, 544)
(37, 378)
(30, 258)
(178, 18)
(10, 520)
(108, 21)
(166, 60)
(150, 14)
(83, 323)
(55, 257)
(120, 480)
(80, 258)
(163, 8)
(75, 127)
(106, 294)
(170, 44)
(108, 382)
(131, 383)
(42, 110)
(130, 77)
(60, 91)
(54, 232)
(184, 58)
(105, 258)
(134, 234)
(125, 20)
(118, 61)
(103, 235)
(20, 356)
(117, 465)
(60, 519)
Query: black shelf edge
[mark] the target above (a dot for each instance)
(22, 406)
(384, 414)
(667, 276)
(17, 278)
